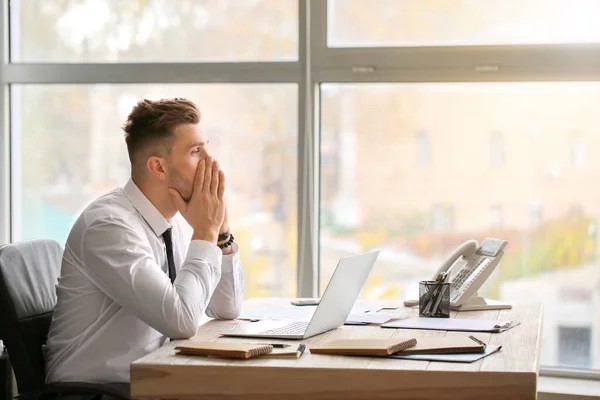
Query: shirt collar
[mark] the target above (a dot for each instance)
(153, 217)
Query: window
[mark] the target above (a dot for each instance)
(497, 149)
(422, 148)
(577, 152)
(574, 346)
(460, 22)
(154, 30)
(535, 215)
(416, 216)
(442, 218)
(70, 150)
(410, 108)
(495, 217)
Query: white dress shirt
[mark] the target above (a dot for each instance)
(116, 302)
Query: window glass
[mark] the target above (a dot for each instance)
(69, 149)
(154, 30)
(404, 23)
(546, 209)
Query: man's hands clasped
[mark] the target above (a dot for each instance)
(205, 211)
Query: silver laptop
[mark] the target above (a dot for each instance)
(340, 295)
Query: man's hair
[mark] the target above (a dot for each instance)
(152, 121)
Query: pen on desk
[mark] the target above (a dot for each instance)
(473, 338)
(275, 345)
(436, 306)
(301, 348)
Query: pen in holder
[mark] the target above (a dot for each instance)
(434, 299)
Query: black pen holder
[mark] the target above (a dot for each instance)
(434, 299)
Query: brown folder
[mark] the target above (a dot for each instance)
(224, 349)
(444, 345)
(363, 347)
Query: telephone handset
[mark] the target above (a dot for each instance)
(468, 267)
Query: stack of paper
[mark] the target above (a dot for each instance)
(358, 315)
(461, 357)
(452, 324)
(368, 318)
(464, 349)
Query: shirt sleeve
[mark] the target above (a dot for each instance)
(226, 302)
(120, 262)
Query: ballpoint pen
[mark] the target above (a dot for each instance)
(473, 338)
(275, 345)
(436, 306)
(441, 281)
(434, 295)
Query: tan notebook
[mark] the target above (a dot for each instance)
(224, 349)
(444, 345)
(363, 347)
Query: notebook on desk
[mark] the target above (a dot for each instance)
(444, 345)
(223, 349)
(363, 347)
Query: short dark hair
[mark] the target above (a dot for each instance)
(150, 121)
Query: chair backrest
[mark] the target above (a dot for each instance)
(28, 275)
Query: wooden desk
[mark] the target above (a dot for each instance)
(509, 374)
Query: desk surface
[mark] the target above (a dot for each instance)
(508, 374)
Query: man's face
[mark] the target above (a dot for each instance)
(189, 147)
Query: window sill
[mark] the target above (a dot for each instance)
(560, 388)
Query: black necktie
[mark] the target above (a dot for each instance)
(169, 245)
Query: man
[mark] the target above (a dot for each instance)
(143, 263)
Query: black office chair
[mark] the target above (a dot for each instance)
(28, 274)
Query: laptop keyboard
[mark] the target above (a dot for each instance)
(295, 328)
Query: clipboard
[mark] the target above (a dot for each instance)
(452, 324)
(459, 358)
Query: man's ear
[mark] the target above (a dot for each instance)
(157, 166)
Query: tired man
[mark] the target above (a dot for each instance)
(145, 262)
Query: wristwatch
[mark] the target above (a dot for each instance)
(223, 236)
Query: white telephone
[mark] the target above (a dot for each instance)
(468, 268)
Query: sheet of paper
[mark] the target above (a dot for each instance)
(302, 313)
(461, 358)
(369, 318)
(447, 324)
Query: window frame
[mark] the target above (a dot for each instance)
(317, 64)
(494, 63)
(5, 154)
(162, 72)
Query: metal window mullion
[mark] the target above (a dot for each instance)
(378, 75)
(4, 132)
(316, 22)
(542, 56)
(267, 72)
(307, 273)
(318, 32)
(590, 374)
(16, 170)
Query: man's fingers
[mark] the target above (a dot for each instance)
(199, 179)
(177, 200)
(221, 189)
(215, 178)
(208, 174)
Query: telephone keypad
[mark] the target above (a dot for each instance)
(467, 274)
